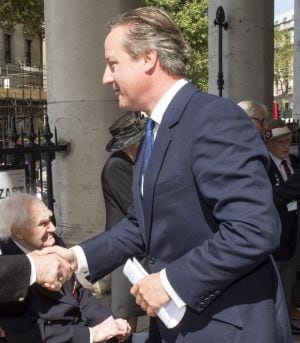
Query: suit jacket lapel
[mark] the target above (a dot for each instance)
(163, 139)
(275, 174)
(136, 188)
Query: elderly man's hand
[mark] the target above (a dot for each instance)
(109, 328)
(51, 270)
(150, 294)
(66, 254)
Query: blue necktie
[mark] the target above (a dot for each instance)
(148, 143)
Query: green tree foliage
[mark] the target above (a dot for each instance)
(28, 13)
(283, 59)
(191, 18)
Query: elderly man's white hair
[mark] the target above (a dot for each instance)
(14, 213)
(251, 106)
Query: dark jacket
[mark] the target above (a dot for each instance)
(285, 192)
(116, 181)
(14, 277)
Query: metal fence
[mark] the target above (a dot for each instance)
(33, 151)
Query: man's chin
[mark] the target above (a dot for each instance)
(49, 243)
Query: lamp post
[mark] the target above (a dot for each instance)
(220, 21)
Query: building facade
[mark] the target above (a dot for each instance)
(283, 71)
(21, 65)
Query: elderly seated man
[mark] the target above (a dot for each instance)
(72, 314)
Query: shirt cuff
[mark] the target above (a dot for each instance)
(82, 264)
(33, 271)
(91, 335)
(170, 290)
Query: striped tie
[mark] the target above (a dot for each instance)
(286, 168)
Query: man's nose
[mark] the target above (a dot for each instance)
(51, 227)
(107, 76)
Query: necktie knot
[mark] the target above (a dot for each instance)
(149, 125)
(148, 143)
(286, 168)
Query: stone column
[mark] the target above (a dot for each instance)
(247, 50)
(296, 92)
(81, 109)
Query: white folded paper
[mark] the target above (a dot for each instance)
(169, 314)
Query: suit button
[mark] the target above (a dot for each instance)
(151, 259)
(49, 322)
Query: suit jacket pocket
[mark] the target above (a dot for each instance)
(168, 185)
(229, 315)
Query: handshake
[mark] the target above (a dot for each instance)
(53, 266)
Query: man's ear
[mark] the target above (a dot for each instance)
(16, 234)
(150, 60)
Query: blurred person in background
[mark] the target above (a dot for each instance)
(116, 181)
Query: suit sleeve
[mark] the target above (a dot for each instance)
(110, 249)
(66, 333)
(92, 311)
(14, 277)
(229, 168)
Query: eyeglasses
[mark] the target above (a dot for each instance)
(262, 121)
(283, 142)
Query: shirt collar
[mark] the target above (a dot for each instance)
(278, 161)
(160, 108)
(25, 250)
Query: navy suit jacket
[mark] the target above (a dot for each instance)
(52, 317)
(206, 216)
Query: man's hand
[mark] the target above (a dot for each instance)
(150, 294)
(51, 270)
(109, 328)
(64, 253)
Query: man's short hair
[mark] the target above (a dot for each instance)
(152, 28)
(14, 213)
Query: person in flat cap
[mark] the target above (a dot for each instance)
(116, 181)
(282, 171)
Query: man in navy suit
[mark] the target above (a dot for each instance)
(203, 210)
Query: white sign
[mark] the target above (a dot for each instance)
(6, 83)
(12, 180)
